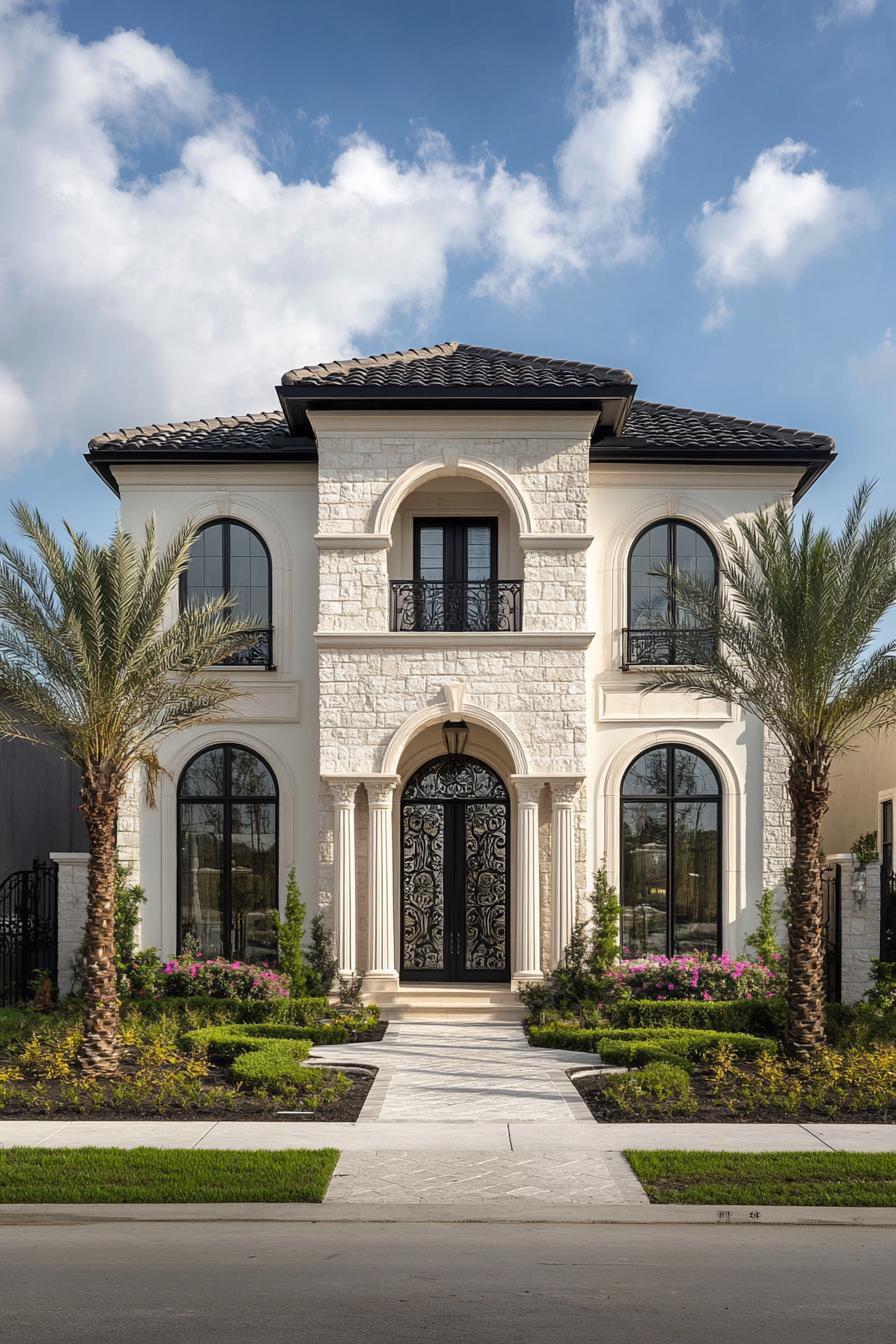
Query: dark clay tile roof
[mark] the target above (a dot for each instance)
(453, 364)
(651, 423)
(226, 433)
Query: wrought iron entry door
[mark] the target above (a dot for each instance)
(455, 873)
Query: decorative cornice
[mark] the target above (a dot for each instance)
(453, 639)
(353, 541)
(554, 541)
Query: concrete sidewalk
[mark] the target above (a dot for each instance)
(403, 1136)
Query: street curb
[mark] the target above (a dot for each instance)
(736, 1215)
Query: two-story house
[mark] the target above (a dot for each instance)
(453, 556)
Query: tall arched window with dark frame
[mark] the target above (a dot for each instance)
(227, 838)
(659, 632)
(229, 557)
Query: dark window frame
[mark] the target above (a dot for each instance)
(226, 800)
(670, 798)
(227, 524)
(454, 551)
(633, 629)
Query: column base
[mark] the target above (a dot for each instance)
(522, 978)
(379, 982)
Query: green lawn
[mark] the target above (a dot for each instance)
(163, 1176)
(859, 1179)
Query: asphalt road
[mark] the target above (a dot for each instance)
(367, 1283)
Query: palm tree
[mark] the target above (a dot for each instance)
(86, 665)
(794, 621)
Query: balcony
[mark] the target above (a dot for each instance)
(258, 652)
(667, 648)
(480, 606)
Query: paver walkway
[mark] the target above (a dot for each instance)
(449, 1072)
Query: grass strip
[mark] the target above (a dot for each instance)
(164, 1176)
(860, 1180)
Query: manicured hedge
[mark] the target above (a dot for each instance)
(209, 1012)
(758, 1017)
(267, 1058)
(627, 1044)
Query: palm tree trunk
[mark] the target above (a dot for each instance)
(809, 792)
(100, 1047)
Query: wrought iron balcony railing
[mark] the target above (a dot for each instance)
(488, 604)
(667, 648)
(258, 652)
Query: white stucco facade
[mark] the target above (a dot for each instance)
(352, 708)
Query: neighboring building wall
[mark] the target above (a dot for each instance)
(39, 795)
(858, 779)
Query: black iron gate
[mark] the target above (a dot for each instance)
(830, 930)
(27, 928)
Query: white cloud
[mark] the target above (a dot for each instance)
(876, 370)
(776, 221)
(186, 292)
(844, 10)
(718, 316)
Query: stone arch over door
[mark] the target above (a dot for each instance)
(410, 480)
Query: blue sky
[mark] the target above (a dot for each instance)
(205, 194)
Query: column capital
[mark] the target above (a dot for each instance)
(528, 788)
(564, 791)
(343, 789)
(380, 789)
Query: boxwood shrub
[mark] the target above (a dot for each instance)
(757, 1017)
(680, 1042)
(200, 1012)
(268, 1058)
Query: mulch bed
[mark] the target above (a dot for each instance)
(245, 1106)
(591, 1089)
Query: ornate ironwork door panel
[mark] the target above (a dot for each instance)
(455, 876)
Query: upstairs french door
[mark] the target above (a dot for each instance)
(455, 568)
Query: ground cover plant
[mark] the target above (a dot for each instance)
(162, 1074)
(163, 1176)
(821, 1179)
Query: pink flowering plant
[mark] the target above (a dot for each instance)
(222, 979)
(692, 975)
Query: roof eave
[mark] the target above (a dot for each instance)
(813, 460)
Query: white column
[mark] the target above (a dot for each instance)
(527, 962)
(563, 865)
(380, 886)
(345, 902)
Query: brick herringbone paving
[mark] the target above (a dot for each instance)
(463, 1075)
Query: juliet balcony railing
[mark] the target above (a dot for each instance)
(258, 652)
(477, 606)
(667, 648)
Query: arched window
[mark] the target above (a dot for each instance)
(652, 608)
(671, 854)
(227, 854)
(229, 557)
